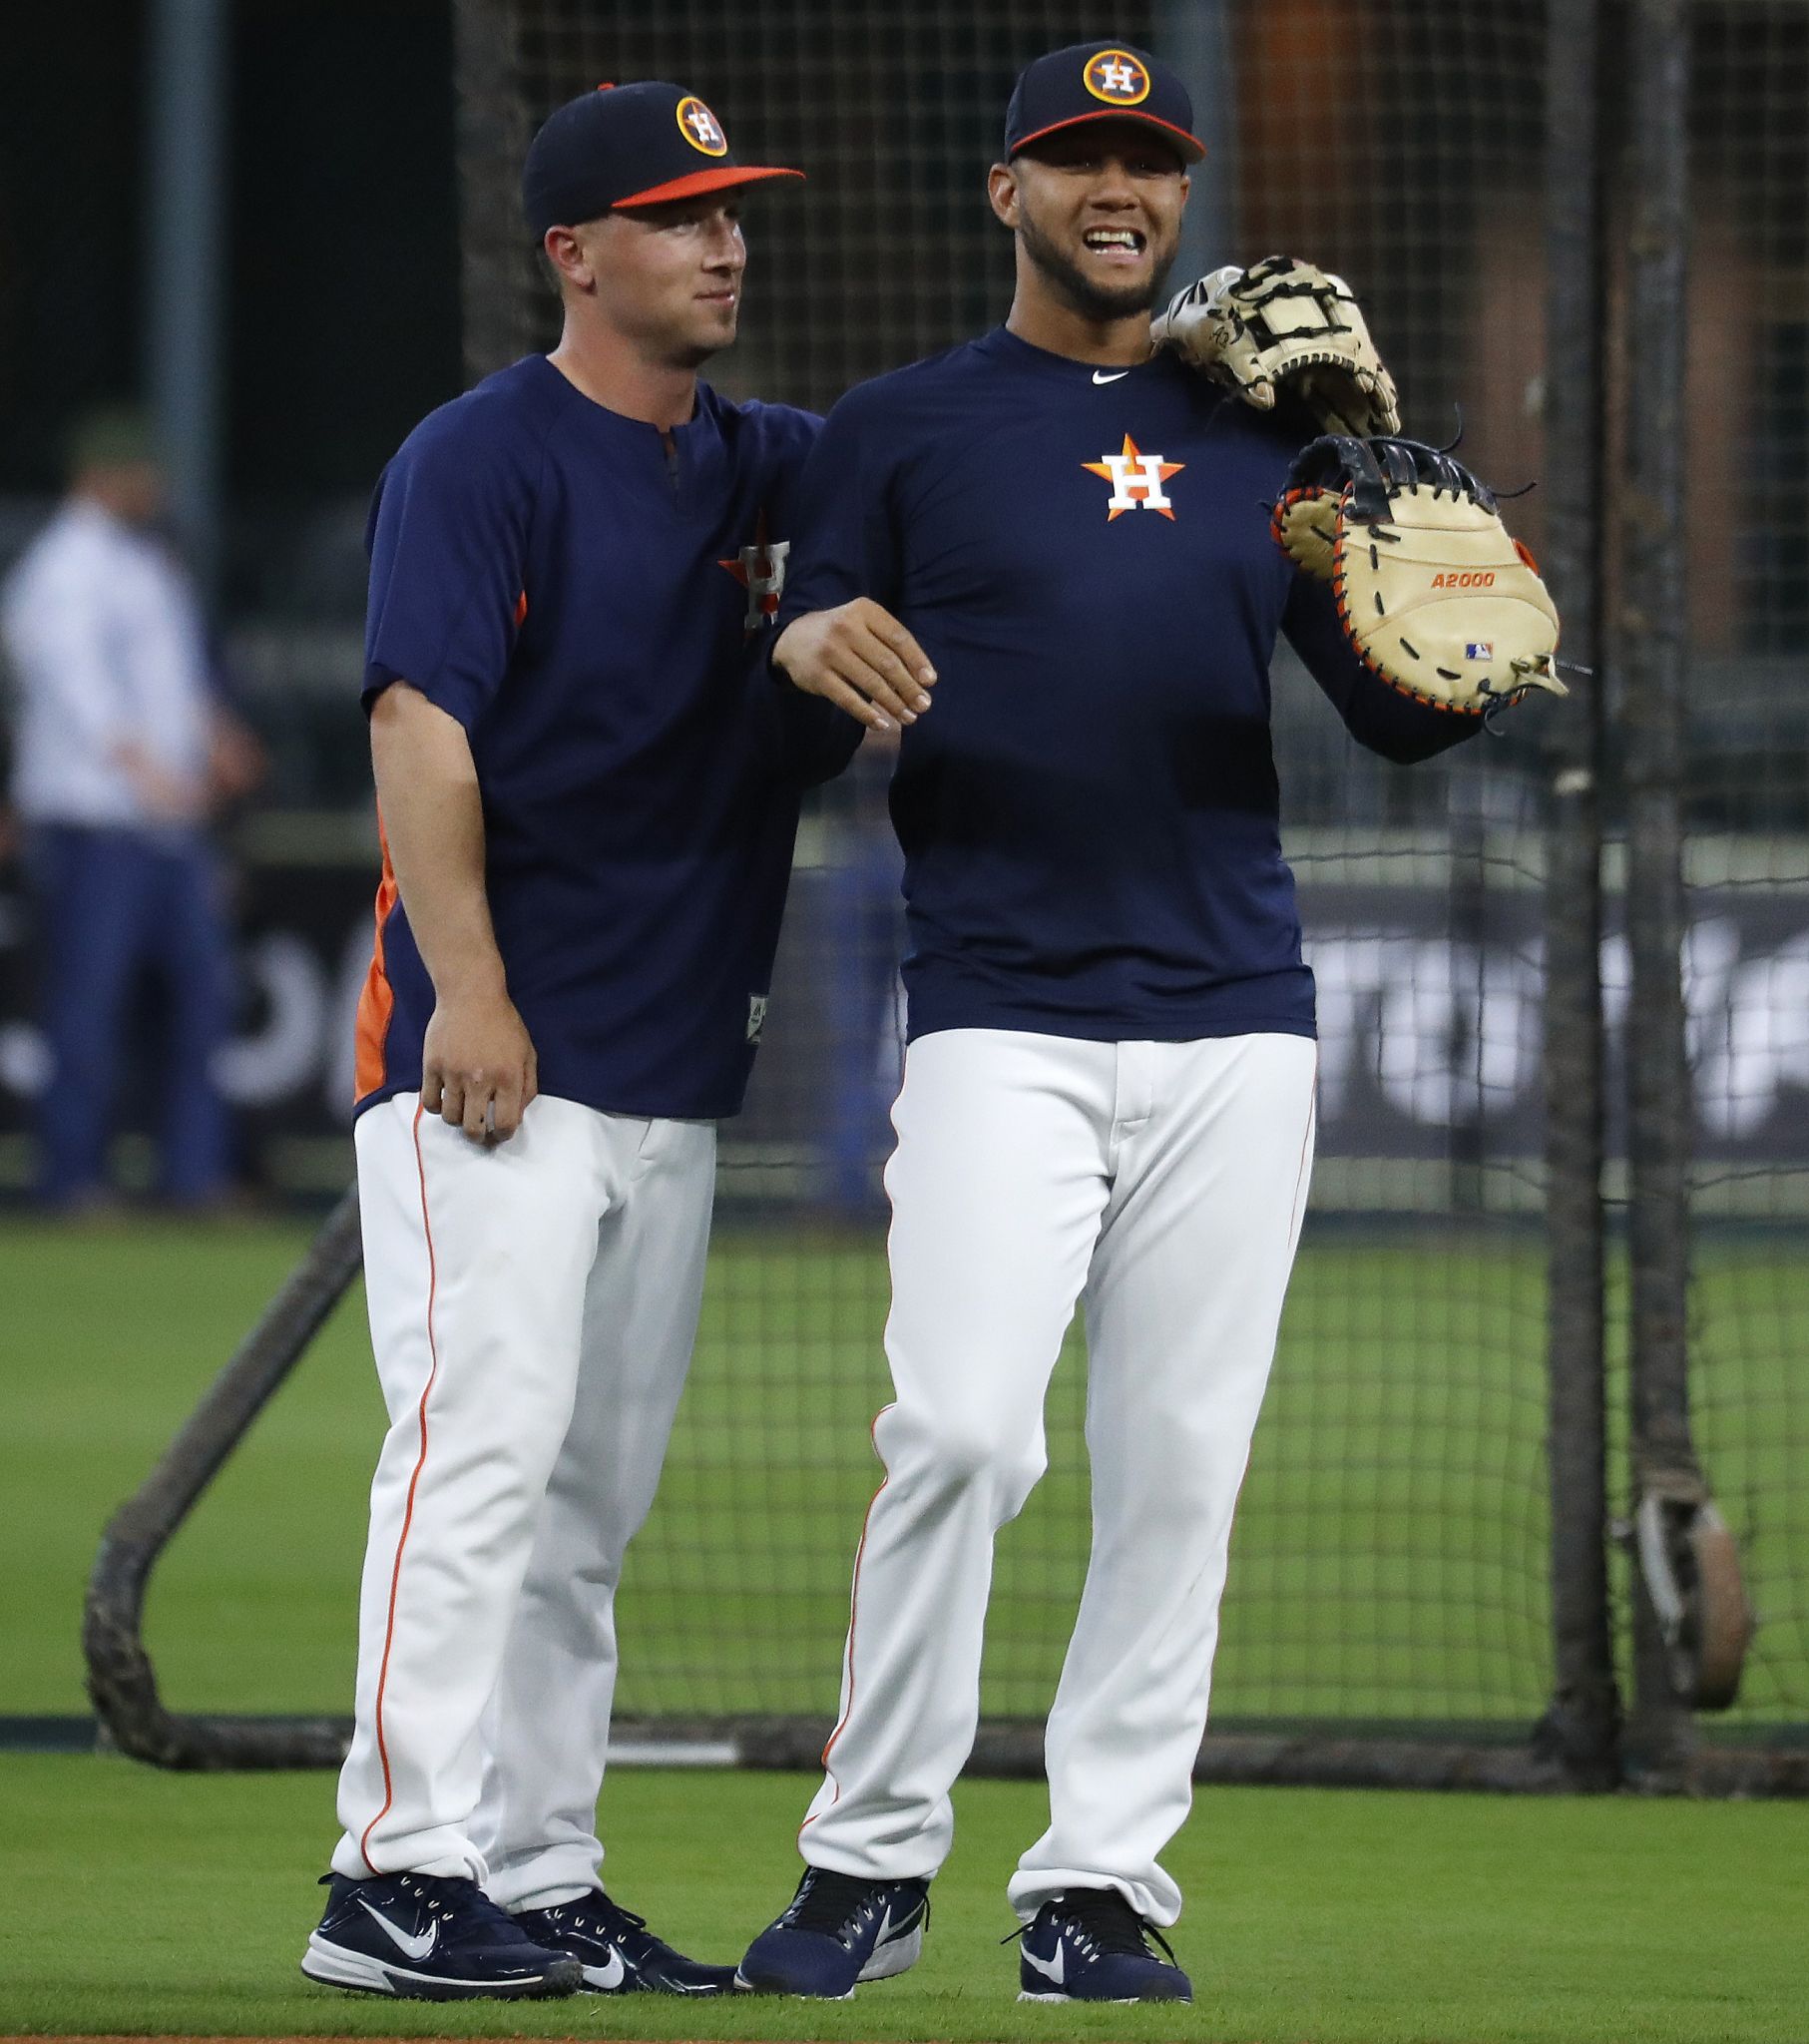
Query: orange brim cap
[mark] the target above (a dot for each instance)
(722, 178)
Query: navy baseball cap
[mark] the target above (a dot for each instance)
(1100, 82)
(627, 145)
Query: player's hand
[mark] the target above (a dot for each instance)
(478, 1068)
(861, 659)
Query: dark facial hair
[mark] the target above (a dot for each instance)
(1092, 300)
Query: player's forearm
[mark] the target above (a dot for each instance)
(433, 822)
(860, 658)
(1379, 717)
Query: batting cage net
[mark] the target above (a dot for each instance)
(1438, 1535)
(1391, 1551)
(1393, 1548)
(1745, 795)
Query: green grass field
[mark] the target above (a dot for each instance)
(1390, 1562)
(1390, 1556)
(139, 1902)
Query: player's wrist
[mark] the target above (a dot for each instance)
(472, 983)
(785, 650)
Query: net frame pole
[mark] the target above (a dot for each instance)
(1652, 632)
(491, 127)
(1194, 36)
(187, 254)
(1582, 1724)
(122, 1678)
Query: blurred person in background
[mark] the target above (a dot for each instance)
(122, 752)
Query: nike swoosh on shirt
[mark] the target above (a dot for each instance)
(409, 1947)
(1052, 1969)
(1112, 379)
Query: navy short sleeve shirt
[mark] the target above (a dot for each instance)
(590, 606)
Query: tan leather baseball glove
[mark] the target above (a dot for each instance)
(1284, 321)
(1431, 591)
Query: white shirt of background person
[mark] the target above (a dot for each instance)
(115, 711)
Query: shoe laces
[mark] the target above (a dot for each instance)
(834, 1903)
(621, 1926)
(1101, 1922)
(446, 1896)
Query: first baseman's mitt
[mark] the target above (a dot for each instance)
(1431, 591)
(1284, 321)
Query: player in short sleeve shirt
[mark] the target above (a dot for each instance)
(575, 595)
(588, 785)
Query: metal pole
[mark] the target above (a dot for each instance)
(492, 127)
(1581, 1728)
(1652, 634)
(188, 118)
(1194, 36)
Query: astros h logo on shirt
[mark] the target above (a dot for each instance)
(760, 570)
(701, 128)
(1118, 78)
(1136, 480)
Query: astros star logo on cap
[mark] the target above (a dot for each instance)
(1116, 77)
(701, 128)
(626, 146)
(1081, 83)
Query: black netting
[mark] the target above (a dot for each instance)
(1746, 961)
(1392, 1549)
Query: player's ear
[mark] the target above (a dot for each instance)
(1002, 190)
(567, 258)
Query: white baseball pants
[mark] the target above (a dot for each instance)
(532, 1312)
(1163, 1185)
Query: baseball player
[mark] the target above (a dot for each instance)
(589, 787)
(1109, 1088)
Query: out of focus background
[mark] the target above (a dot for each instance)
(243, 219)
(1536, 1444)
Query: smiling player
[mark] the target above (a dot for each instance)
(590, 790)
(1108, 1090)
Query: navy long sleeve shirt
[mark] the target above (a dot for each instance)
(1089, 811)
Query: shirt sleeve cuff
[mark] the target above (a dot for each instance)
(444, 691)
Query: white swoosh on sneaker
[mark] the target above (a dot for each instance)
(606, 1978)
(1112, 379)
(1052, 1969)
(891, 1926)
(409, 1947)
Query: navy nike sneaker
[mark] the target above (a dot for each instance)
(428, 1938)
(617, 1952)
(1091, 1945)
(838, 1930)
